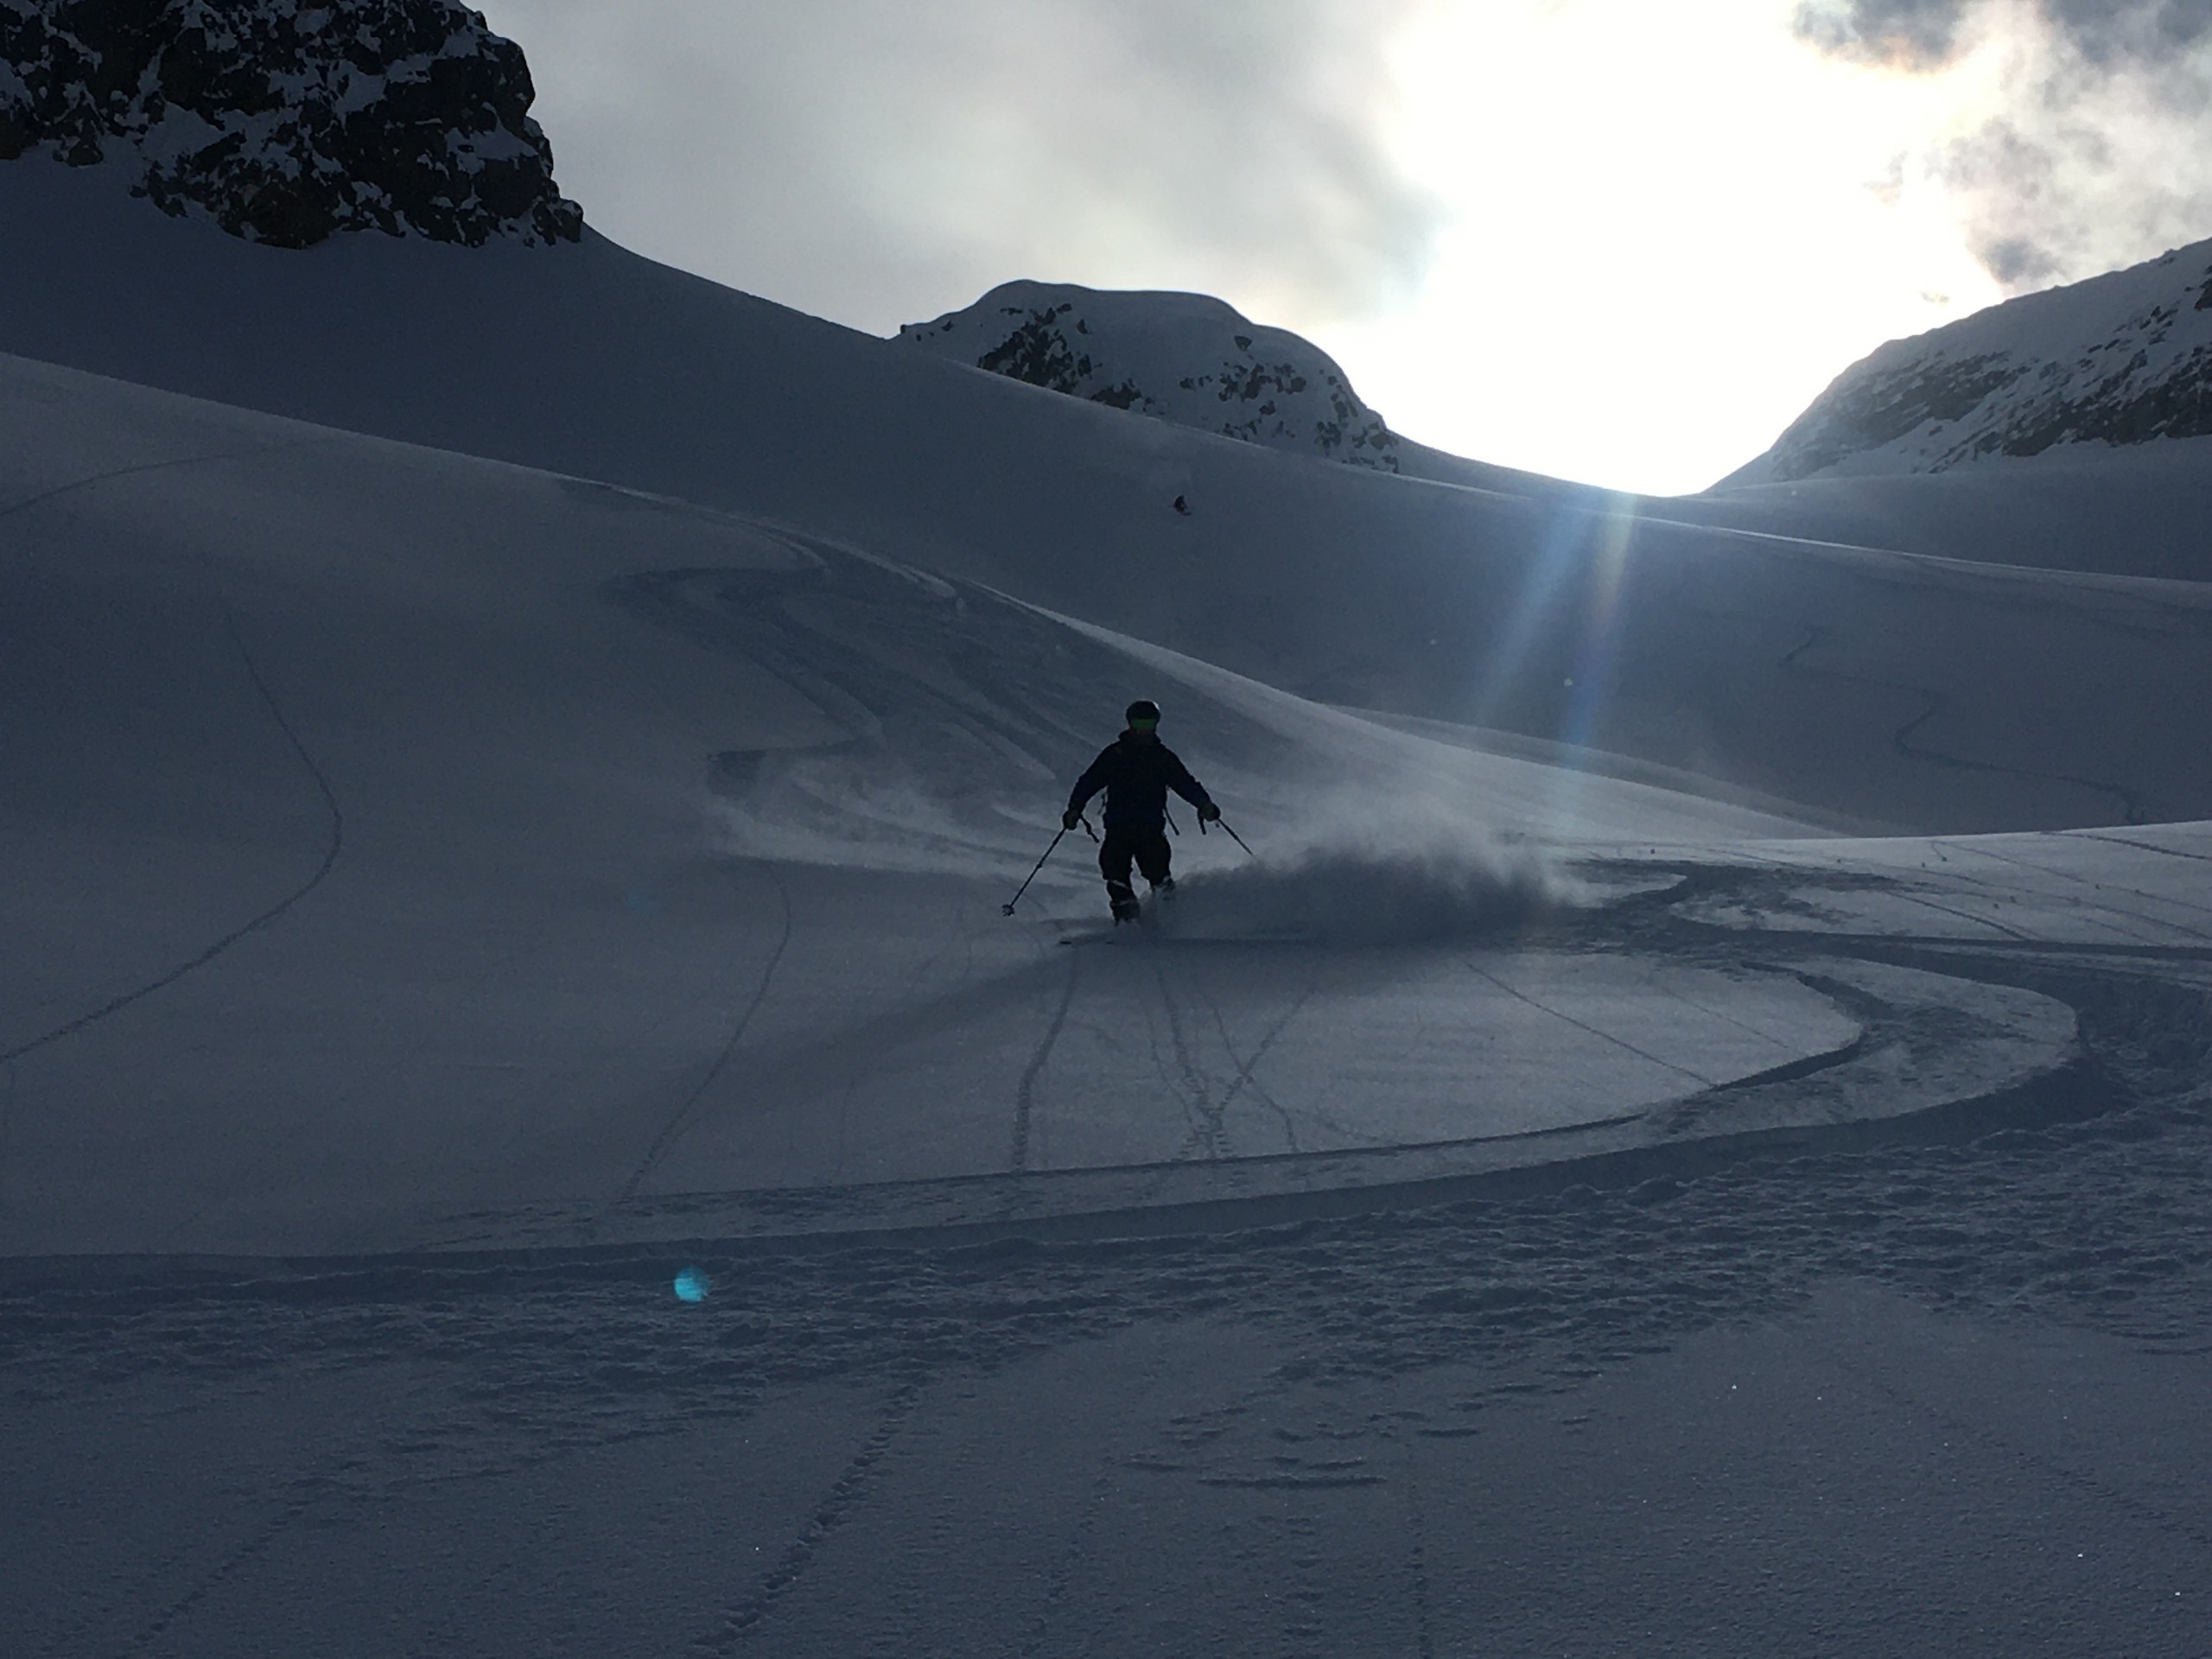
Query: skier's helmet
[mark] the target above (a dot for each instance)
(1142, 715)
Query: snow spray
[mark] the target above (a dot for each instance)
(1411, 879)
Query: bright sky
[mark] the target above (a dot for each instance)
(1670, 227)
(1606, 239)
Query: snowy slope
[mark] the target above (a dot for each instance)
(471, 894)
(2121, 359)
(487, 789)
(522, 802)
(1185, 357)
(2138, 510)
(1991, 701)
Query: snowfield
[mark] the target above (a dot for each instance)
(1691, 1134)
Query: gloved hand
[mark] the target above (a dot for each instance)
(1070, 818)
(1209, 813)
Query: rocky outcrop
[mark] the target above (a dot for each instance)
(286, 122)
(2121, 358)
(1179, 357)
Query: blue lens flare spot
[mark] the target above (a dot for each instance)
(692, 1286)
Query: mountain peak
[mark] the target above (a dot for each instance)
(1185, 357)
(286, 123)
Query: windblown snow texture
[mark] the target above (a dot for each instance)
(2121, 358)
(285, 122)
(1183, 357)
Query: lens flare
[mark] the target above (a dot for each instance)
(1566, 533)
(692, 1286)
(1600, 647)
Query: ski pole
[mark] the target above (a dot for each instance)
(1234, 836)
(1006, 909)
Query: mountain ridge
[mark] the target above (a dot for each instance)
(2116, 359)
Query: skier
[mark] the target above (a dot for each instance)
(1137, 770)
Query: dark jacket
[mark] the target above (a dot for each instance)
(1136, 777)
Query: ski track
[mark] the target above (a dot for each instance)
(2108, 915)
(1208, 1136)
(1025, 1094)
(1305, 1630)
(92, 479)
(1167, 1063)
(75, 1633)
(1659, 987)
(1416, 1544)
(460, 1275)
(2104, 1222)
(1974, 917)
(2132, 806)
(2085, 882)
(1483, 973)
(335, 846)
(681, 1118)
(737, 1624)
(1967, 1429)
(2142, 846)
(1066, 1565)
(1245, 1080)
(238, 1556)
(7, 1125)
(314, 1486)
(1204, 1138)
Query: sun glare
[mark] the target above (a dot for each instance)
(1670, 228)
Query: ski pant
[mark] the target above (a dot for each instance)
(1144, 843)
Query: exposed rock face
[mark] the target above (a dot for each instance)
(287, 122)
(1179, 357)
(2121, 358)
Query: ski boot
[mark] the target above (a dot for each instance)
(1164, 888)
(1123, 898)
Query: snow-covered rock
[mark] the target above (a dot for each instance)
(2121, 358)
(1184, 357)
(286, 122)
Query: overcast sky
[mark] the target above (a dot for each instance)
(1610, 239)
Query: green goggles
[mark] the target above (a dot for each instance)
(1143, 724)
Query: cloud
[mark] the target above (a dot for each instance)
(877, 161)
(2090, 143)
(1911, 34)
(1927, 35)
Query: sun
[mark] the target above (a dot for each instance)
(1669, 228)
